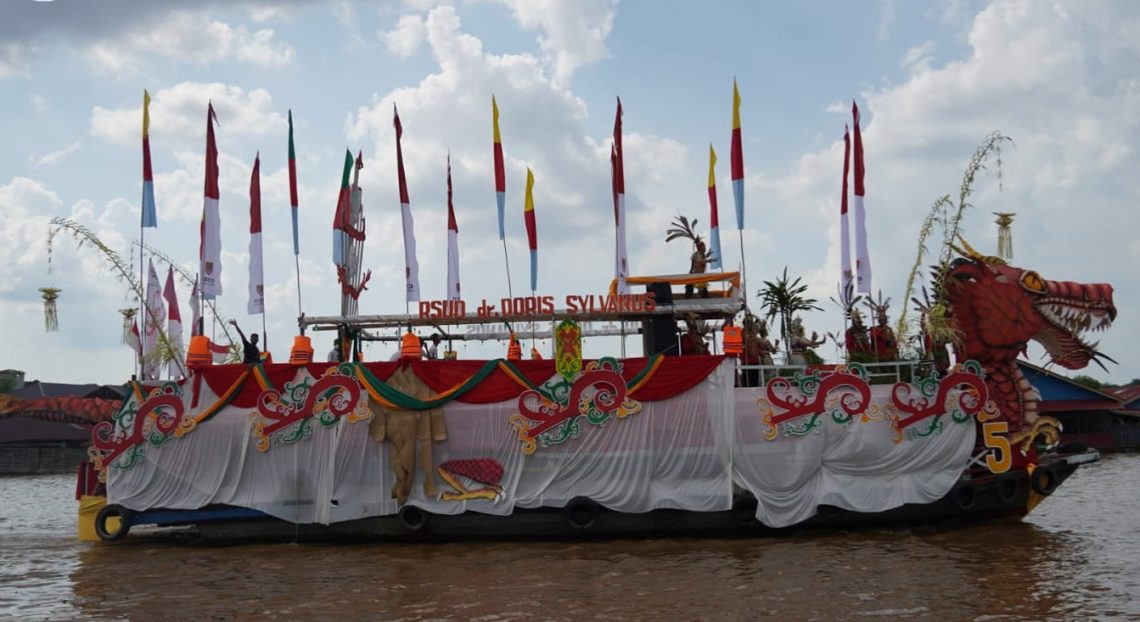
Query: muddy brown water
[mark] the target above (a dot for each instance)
(1077, 557)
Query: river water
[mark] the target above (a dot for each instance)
(1077, 557)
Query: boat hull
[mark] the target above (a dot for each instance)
(978, 497)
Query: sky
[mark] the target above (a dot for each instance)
(1060, 78)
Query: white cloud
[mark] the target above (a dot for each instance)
(53, 157)
(542, 128)
(14, 59)
(406, 37)
(1062, 85)
(886, 19)
(179, 114)
(574, 33)
(918, 58)
(190, 37)
(39, 102)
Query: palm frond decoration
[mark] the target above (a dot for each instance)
(783, 298)
(847, 298)
(682, 227)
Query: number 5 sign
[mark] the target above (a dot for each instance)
(999, 459)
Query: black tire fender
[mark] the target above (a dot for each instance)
(581, 513)
(412, 518)
(963, 495)
(1006, 488)
(113, 510)
(1043, 481)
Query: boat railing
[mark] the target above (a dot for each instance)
(882, 372)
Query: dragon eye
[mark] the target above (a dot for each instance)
(1032, 281)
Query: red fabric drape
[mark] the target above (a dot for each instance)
(674, 376)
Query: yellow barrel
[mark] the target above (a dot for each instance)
(198, 354)
(302, 352)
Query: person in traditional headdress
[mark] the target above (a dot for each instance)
(682, 227)
(802, 347)
(693, 340)
(856, 339)
(757, 348)
(883, 339)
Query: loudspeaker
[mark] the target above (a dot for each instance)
(659, 334)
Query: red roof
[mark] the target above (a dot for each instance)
(1126, 394)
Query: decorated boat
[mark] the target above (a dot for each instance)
(676, 441)
(566, 447)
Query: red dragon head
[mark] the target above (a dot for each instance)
(999, 308)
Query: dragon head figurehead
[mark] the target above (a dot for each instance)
(997, 309)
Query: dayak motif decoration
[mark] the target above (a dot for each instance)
(287, 417)
(842, 395)
(568, 349)
(845, 395)
(151, 419)
(552, 415)
(961, 394)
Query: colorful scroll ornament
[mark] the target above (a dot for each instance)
(552, 414)
(151, 419)
(286, 417)
(961, 394)
(842, 395)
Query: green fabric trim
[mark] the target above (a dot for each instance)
(407, 402)
(651, 364)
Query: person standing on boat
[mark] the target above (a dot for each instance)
(431, 351)
(693, 341)
(334, 354)
(251, 352)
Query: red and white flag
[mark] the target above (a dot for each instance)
(862, 257)
(411, 266)
(617, 171)
(256, 269)
(135, 342)
(847, 277)
(452, 242)
(210, 251)
(173, 325)
(152, 325)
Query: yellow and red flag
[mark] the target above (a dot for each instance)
(500, 169)
(531, 229)
(737, 158)
(714, 217)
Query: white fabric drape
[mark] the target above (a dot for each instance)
(686, 452)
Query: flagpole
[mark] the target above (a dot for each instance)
(507, 261)
(142, 303)
(297, 261)
(743, 270)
